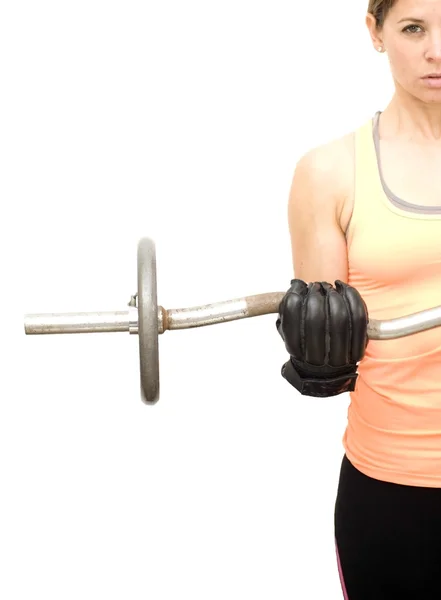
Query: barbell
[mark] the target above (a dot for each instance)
(145, 318)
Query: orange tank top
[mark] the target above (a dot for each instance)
(393, 430)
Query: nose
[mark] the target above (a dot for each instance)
(433, 51)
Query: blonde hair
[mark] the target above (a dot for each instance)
(380, 9)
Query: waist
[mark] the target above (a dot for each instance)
(394, 432)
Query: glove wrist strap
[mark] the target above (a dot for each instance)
(320, 388)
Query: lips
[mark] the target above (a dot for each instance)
(432, 81)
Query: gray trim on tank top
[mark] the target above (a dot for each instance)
(417, 208)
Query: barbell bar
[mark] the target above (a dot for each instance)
(148, 320)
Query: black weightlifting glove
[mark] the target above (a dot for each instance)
(325, 332)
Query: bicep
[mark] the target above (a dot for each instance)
(319, 250)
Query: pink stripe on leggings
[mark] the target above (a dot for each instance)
(340, 573)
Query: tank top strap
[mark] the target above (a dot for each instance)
(368, 190)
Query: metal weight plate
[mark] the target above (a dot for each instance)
(148, 321)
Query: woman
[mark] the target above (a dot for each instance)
(365, 213)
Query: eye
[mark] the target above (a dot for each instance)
(409, 27)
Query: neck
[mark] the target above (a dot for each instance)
(410, 120)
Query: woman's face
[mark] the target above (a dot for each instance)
(411, 36)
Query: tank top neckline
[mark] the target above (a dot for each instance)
(398, 202)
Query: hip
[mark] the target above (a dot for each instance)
(388, 537)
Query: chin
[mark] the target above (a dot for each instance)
(431, 96)
(423, 94)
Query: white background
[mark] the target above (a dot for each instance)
(182, 121)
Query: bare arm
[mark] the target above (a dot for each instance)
(325, 339)
(318, 243)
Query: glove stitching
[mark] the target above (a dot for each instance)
(327, 326)
(351, 315)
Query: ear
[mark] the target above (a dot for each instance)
(374, 33)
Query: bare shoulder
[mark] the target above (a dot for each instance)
(329, 170)
(317, 213)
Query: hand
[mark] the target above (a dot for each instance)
(325, 332)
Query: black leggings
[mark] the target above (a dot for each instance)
(388, 538)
